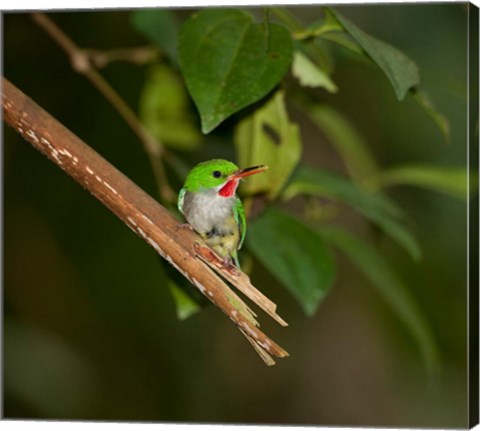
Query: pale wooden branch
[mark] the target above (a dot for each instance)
(145, 216)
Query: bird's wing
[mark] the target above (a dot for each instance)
(241, 222)
(181, 197)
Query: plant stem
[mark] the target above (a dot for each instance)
(138, 55)
(81, 63)
(287, 18)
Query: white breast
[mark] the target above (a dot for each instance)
(206, 210)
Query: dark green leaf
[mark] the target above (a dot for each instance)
(390, 286)
(268, 137)
(229, 62)
(399, 69)
(295, 255)
(452, 181)
(374, 206)
(164, 110)
(160, 27)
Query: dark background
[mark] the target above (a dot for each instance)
(90, 330)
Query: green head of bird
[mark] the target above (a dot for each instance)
(222, 175)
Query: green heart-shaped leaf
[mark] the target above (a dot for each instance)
(230, 62)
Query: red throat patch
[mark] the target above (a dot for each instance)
(228, 190)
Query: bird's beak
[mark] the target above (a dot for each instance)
(242, 173)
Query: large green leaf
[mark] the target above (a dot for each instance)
(160, 27)
(399, 69)
(230, 62)
(295, 254)
(342, 135)
(374, 206)
(164, 110)
(452, 181)
(390, 287)
(268, 137)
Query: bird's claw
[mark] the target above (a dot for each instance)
(210, 256)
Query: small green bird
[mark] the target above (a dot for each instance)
(211, 207)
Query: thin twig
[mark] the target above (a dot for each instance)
(141, 213)
(137, 55)
(287, 18)
(81, 63)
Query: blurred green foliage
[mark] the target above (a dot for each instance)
(164, 110)
(312, 93)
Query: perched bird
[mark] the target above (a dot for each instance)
(211, 207)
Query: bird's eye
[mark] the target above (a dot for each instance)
(217, 174)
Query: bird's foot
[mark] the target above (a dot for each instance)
(211, 257)
(229, 265)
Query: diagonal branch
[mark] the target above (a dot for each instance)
(145, 216)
